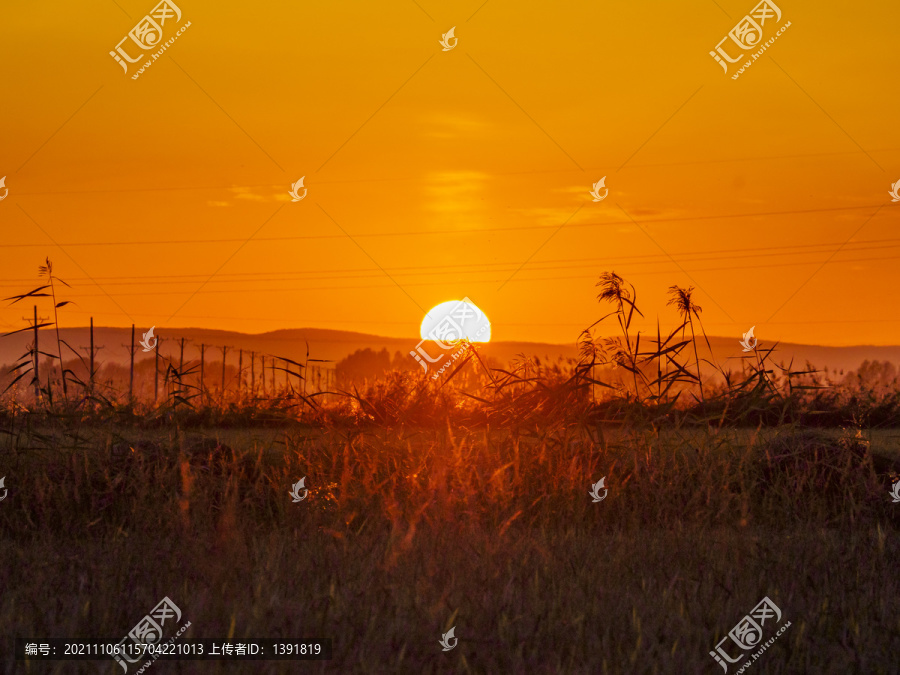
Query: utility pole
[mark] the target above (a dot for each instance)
(302, 382)
(37, 356)
(263, 373)
(181, 360)
(240, 377)
(202, 366)
(156, 370)
(224, 353)
(131, 375)
(131, 368)
(91, 374)
(166, 382)
(92, 357)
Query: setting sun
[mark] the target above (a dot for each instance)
(456, 320)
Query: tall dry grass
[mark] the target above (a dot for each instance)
(405, 527)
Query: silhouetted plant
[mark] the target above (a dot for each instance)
(682, 298)
(66, 374)
(613, 290)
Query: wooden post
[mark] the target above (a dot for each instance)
(302, 382)
(240, 377)
(181, 360)
(202, 367)
(224, 353)
(131, 371)
(263, 378)
(37, 357)
(252, 375)
(166, 382)
(91, 374)
(156, 370)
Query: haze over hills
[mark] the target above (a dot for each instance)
(334, 345)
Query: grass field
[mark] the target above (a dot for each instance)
(409, 531)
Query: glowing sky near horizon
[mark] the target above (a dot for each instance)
(431, 175)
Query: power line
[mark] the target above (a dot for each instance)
(296, 321)
(153, 293)
(421, 233)
(430, 270)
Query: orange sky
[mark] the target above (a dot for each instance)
(434, 175)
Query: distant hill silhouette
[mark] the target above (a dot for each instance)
(335, 345)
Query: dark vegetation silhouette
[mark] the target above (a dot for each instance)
(622, 376)
(464, 500)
